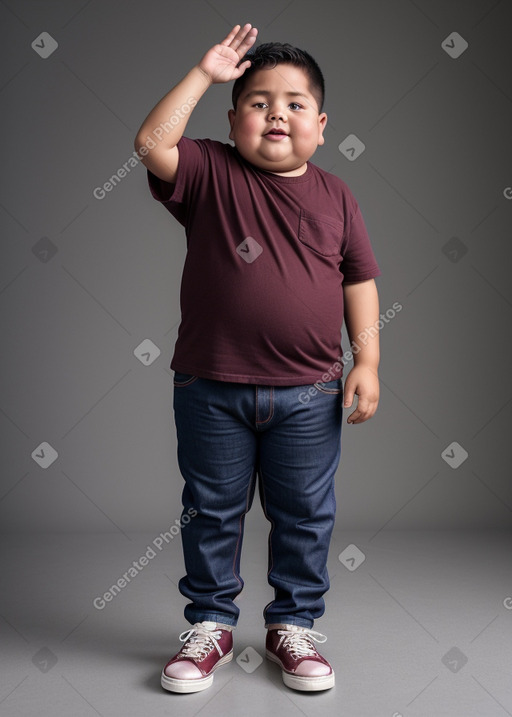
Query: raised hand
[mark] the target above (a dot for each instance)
(220, 62)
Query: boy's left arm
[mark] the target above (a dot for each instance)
(361, 302)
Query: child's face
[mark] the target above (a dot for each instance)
(277, 98)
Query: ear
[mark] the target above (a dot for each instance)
(231, 118)
(322, 121)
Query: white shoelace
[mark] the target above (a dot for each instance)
(300, 644)
(199, 641)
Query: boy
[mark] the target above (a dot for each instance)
(277, 255)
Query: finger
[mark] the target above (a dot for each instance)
(360, 416)
(363, 405)
(248, 41)
(240, 36)
(228, 39)
(244, 48)
(355, 414)
(356, 417)
(241, 69)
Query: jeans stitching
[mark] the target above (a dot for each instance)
(240, 522)
(269, 540)
(271, 407)
(264, 498)
(180, 384)
(328, 391)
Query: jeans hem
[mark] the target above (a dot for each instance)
(283, 619)
(211, 617)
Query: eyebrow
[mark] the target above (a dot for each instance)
(268, 92)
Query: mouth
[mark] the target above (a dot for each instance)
(276, 134)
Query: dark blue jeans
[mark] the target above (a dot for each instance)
(289, 437)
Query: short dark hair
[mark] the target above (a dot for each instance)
(271, 54)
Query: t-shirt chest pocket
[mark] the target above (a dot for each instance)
(321, 233)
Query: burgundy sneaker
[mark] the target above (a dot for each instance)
(206, 647)
(292, 647)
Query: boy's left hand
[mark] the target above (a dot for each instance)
(364, 382)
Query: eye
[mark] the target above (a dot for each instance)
(260, 105)
(295, 106)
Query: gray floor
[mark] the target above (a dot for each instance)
(421, 627)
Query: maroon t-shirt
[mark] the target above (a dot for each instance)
(261, 292)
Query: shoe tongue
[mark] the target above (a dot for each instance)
(209, 625)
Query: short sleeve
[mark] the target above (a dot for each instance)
(359, 262)
(176, 198)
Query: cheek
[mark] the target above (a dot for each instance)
(250, 126)
(308, 132)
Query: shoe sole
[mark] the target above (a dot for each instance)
(173, 684)
(298, 682)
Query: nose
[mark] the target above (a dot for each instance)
(277, 114)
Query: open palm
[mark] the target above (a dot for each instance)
(220, 62)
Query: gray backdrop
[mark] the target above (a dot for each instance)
(84, 281)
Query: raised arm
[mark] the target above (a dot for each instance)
(164, 126)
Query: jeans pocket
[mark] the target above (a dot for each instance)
(184, 379)
(330, 387)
